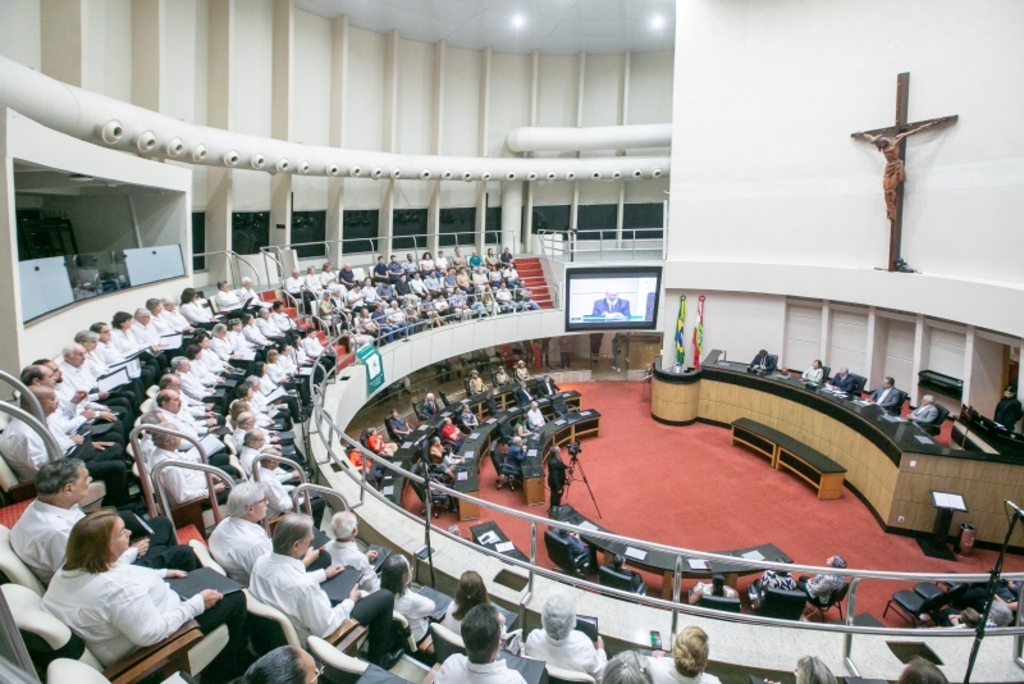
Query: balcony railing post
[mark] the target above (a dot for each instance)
(677, 585)
(851, 606)
(533, 551)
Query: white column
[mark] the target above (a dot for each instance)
(282, 86)
(968, 365)
(919, 360)
(511, 213)
(10, 302)
(826, 333)
(148, 49)
(62, 39)
(528, 246)
(220, 192)
(386, 222)
(436, 144)
(281, 209)
(339, 108)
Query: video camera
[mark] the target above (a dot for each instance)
(573, 449)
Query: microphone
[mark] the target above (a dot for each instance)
(1015, 507)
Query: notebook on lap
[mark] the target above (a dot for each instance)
(201, 579)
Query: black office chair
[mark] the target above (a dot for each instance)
(858, 384)
(438, 500)
(512, 476)
(391, 432)
(494, 377)
(417, 408)
(465, 385)
(619, 579)
(562, 556)
(901, 397)
(911, 604)
(826, 373)
(836, 601)
(723, 603)
(506, 433)
(773, 361)
(444, 399)
(559, 407)
(782, 603)
(935, 427)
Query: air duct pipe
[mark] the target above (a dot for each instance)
(118, 125)
(551, 139)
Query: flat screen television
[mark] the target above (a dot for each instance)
(612, 298)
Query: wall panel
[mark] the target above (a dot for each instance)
(311, 79)
(849, 342)
(511, 76)
(898, 361)
(251, 91)
(803, 336)
(461, 115)
(415, 97)
(364, 120)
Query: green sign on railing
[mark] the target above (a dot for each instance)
(370, 358)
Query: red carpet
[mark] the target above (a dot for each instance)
(687, 486)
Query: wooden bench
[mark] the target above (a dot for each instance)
(812, 466)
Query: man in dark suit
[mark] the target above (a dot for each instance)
(429, 407)
(843, 380)
(523, 395)
(635, 579)
(887, 396)
(547, 387)
(611, 306)
(763, 362)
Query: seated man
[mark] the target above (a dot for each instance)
(534, 417)
(452, 434)
(514, 457)
(430, 407)
(887, 396)
(181, 484)
(561, 644)
(821, 587)
(523, 395)
(547, 387)
(576, 546)
(926, 413)
(399, 425)
(40, 536)
(763, 362)
(475, 384)
(280, 580)
(843, 381)
(343, 550)
(481, 631)
(617, 564)
(611, 306)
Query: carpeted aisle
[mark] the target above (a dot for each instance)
(687, 486)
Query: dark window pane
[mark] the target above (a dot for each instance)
(309, 226)
(40, 238)
(410, 229)
(359, 230)
(554, 218)
(493, 228)
(458, 226)
(596, 221)
(644, 221)
(250, 231)
(198, 239)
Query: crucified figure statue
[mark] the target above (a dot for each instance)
(895, 172)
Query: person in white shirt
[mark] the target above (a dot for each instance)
(343, 550)
(687, 662)
(221, 345)
(560, 644)
(534, 417)
(240, 539)
(239, 344)
(279, 497)
(190, 382)
(252, 334)
(280, 580)
(255, 447)
(441, 262)
(312, 281)
(267, 327)
(282, 320)
(181, 484)
(246, 295)
(117, 609)
(469, 593)
(395, 576)
(40, 536)
(481, 633)
(426, 263)
(815, 373)
(169, 315)
(419, 288)
(169, 405)
(75, 378)
(209, 359)
(329, 279)
(226, 299)
(192, 309)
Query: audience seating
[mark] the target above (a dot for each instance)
(446, 642)
(783, 604)
(836, 601)
(561, 555)
(858, 384)
(14, 568)
(66, 671)
(339, 668)
(912, 605)
(724, 603)
(619, 579)
(558, 675)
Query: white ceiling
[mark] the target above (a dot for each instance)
(551, 26)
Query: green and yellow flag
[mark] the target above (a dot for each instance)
(680, 338)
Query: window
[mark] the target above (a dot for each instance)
(551, 218)
(309, 226)
(643, 221)
(250, 231)
(198, 240)
(492, 236)
(457, 227)
(410, 229)
(359, 229)
(596, 221)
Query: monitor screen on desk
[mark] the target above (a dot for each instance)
(615, 298)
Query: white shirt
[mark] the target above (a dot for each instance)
(427, 265)
(283, 321)
(441, 263)
(267, 327)
(237, 544)
(253, 336)
(192, 386)
(24, 450)
(417, 610)
(347, 553)
(146, 334)
(226, 301)
(194, 312)
(222, 347)
(663, 671)
(312, 347)
(312, 281)
(278, 371)
(125, 343)
(534, 418)
(117, 611)
(75, 379)
(458, 670)
(181, 484)
(239, 344)
(278, 499)
(293, 286)
(576, 652)
(418, 286)
(173, 320)
(247, 294)
(327, 277)
(283, 582)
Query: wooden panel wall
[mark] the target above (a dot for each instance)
(675, 403)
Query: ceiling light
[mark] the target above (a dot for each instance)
(657, 23)
(518, 21)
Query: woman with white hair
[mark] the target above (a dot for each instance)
(246, 295)
(560, 644)
(344, 550)
(689, 658)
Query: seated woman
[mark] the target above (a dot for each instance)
(442, 460)
(523, 431)
(522, 372)
(716, 588)
(475, 383)
(501, 378)
(118, 608)
(815, 373)
(470, 593)
(376, 444)
(395, 576)
(687, 662)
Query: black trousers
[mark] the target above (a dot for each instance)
(164, 549)
(234, 659)
(375, 613)
(107, 465)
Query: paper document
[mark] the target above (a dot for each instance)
(952, 501)
(462, 476)
(468, 456)
(248, 355)
(172, 341)
(635, 554)
(753, 555)
(406, 445)
(489, 537)
(584, 414)
(587, 525)
(134, 368)
(111, 382)
(560, 421)
(276, 394)
(474, 435)
(504, 547)
(491, 421)
(532, 453)
(306, 370)
(698, 564)
(861, 402)
(388, 491)
(924, 439)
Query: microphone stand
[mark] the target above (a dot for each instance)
(993, 580)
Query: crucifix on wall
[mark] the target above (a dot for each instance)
(892, 143)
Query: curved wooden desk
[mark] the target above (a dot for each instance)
(891, 466)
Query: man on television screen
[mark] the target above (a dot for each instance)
(611, 306)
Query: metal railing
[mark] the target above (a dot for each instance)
(328, 431)
(296, 468)
(234, 261)
(590, 245)
(148, 480)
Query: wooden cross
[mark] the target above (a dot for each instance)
(892, 143)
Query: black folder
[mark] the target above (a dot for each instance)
(339, 586)
(588, 625)
(382, 555)
(203, 578)
(319, 538)
(441, 602)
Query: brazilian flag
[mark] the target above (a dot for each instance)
(680, 338)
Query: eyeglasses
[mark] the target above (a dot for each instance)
(317, 672)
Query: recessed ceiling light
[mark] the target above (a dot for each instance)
(518, 21)
(657, 23)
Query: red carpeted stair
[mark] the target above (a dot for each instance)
(532, 276)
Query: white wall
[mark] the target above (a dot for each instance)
(763, 117)
(945, 351)
(19, 32)
(461, 119)
(898, 352)
(311, 80)
(251, 92)
(803, 335)
(511, 76)
(107, 67)
(740, 324)
(988, 374)
(415, 97)
(365, 114)
(849, 341)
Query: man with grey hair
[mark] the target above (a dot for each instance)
(181, 484)
(343, 550)
(256, 446)
(40, 537)
(926, 413)
(280, 580)
(77, 382)
(190, 384)
(279, 498)
(843, 380)
(481, 631)
(560, 644)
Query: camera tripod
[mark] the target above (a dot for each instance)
(574, 463)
